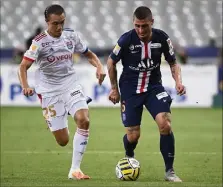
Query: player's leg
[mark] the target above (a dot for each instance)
(131, 113)
(130, 140)
(158, 104)
(56, 117)
(167, 144)
(62, 135)
(79, 112)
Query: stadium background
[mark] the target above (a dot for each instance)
(29, 156)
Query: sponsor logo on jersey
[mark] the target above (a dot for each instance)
(52, 58)
(47, 44)
(75, 93)
(133, 52)
(155, 45)
(171, 50)
(145, 65)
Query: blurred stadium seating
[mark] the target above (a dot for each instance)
(189, 23)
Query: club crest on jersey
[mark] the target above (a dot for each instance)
(69, 45)
(131, 47)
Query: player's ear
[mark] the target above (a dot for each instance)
(152, 21)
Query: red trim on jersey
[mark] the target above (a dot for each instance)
(40, 97)
(144, 73)
(29, 59)
(40, 36)
(143, 81)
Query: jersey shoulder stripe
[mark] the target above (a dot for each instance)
(40, 36)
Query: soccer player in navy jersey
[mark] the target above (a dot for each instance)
(140, 84)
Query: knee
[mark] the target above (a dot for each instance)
(165, 128)
(163, 121)
(133, 137)
(63, 142)
(83, 123)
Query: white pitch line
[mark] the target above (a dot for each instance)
(103, 152)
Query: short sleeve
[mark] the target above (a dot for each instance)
(33, 51)
(117, 51)
(80, 45)
(168, 49)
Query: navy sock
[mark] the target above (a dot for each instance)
(167, 149)
(129, 147)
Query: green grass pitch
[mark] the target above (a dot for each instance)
(31, 157)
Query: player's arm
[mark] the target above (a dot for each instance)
(114, 95)
(174, 67)
(114, 57)
(176, 72)
(28, 59)
(94, 60)
(22, 74)
(112, 72)
(81, 47)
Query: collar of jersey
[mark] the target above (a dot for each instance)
(51, 37)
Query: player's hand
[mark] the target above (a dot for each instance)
(114, 96)
(100, 74)
(28, 91)
(181, 89)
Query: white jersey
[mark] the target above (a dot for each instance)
(54, 58)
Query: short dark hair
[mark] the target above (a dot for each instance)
(53, 9)
(142, 12)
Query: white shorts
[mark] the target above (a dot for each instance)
(56, 108)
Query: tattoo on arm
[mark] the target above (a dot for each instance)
(112, 72)
(176, 72)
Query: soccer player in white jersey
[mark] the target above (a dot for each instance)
(57, 85)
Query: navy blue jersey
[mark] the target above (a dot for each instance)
(141, 61)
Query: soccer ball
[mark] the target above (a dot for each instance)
(128, 169)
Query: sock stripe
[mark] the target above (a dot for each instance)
(83, 132)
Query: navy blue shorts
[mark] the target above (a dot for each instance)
(156, 100)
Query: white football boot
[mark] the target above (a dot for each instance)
(171, 176)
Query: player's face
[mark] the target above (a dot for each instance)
(55, 24)
(143, 28)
